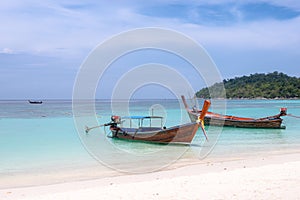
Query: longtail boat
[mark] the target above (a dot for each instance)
(215, 119)
(176, 134)
(146, 132)
(35, 102)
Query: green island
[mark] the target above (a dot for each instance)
(273, 85)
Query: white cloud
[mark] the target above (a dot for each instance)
(69, 30)
(7, 51)
(262, 35)
(293, 4)
(46, 27)
(58, 27)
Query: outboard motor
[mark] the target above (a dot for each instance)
(113, 125)
(283, 111)
(116, 119)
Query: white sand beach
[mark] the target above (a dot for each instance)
(275, 176)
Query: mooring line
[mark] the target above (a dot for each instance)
(293, 116)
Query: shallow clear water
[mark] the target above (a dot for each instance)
(43, 137)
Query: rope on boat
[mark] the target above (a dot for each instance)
(293, 116)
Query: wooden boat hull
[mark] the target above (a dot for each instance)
(214, 119)
(182, 134)
(243, 123)
(35, 102)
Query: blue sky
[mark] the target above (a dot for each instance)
(43, 43)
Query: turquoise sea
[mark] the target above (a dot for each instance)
(39, 144)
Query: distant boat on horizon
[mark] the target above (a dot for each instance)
(35, 102)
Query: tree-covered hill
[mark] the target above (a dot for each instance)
(272, 85)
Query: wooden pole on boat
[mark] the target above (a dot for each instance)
(87, 129)
(184, 102)
(204, 109)
(202, 115)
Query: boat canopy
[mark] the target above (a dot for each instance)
(141, 119)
